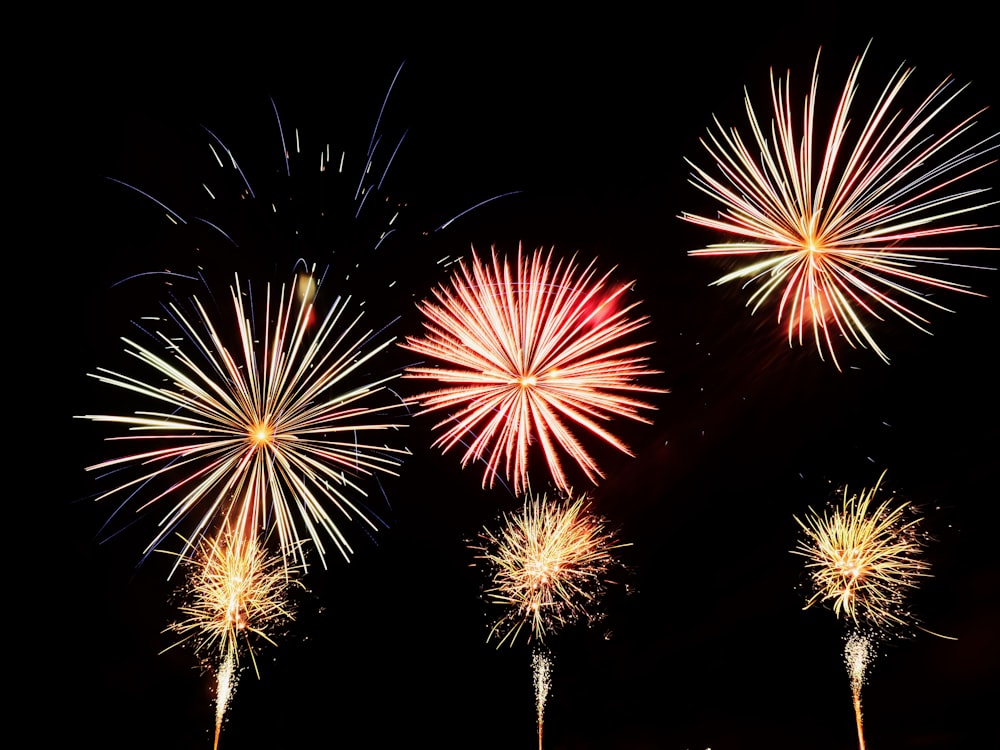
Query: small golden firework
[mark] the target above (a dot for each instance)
(864, 558)
(236, 590)
(549, 565)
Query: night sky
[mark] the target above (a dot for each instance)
(580, 134)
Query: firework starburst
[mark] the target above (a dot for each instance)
(532, 355)
(549, 565)
(843, 235)
(264, 428)
(864, 557)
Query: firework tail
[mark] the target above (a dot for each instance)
(541, 664)
(857, 717)
(856, 655)
(226, 683)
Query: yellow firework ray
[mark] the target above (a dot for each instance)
(864, 558)
(839, 236)
(549, 566)
(534, 355)
(270, 428)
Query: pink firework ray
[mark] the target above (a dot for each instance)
(531, 356)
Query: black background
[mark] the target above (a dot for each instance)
(589, 119)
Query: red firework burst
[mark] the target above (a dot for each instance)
(531, 355)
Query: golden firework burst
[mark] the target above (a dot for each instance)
(864, 558)
(236, 591)
(549, 563)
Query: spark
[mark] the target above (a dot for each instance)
(530, 355)
(864, 558)
(842, 237)
(549, 566)
(268, 433)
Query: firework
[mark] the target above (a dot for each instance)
(549, 567)
(237, 592)
(840, 237)
(864, 558)
(263, 428)
(297, 196)
(549, 563)
(295, 191)
(531, 356)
